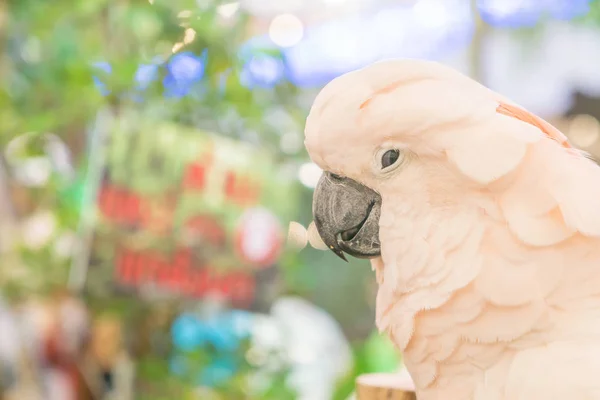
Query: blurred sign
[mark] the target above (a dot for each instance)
(186, 212)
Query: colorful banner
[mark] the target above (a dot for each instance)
(187, 213)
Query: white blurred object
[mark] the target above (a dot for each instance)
(290, 143)
(266, 333)
(228, 10)
(29, 171)
(38, 229)
(58, 385)
(267, 350)
(259, 236)
(286, 30)
(318, 350)
(434, 14)
(297, 236)
(309, 174)
(65, 244)
(60, 156)
(34, 171)
(542, 72)
(584, 130)
(314, 238)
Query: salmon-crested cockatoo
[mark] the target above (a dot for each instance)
(481, 222)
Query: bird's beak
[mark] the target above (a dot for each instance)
(346, 215)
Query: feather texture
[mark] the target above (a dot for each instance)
(489, 275)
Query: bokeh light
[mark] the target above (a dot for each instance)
(156, 228)
(286, 30)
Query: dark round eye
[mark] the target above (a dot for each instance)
(389, 158)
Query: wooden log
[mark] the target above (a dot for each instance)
(395, 386)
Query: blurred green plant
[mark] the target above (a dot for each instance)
(53, 50)
(593, 17)
(247, 381)
(64, 61)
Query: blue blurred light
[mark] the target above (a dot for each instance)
(219, 371)
(107, 69)
(221, 335)
(568, 9)
(431, 29)
(222, 331)
(527, 13)
(183, 71)
(188, 333)
(262, 71)
(241, 323)
(145, 75)
(511, 13)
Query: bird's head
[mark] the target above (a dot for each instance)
(408, 133)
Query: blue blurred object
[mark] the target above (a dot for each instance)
(105, 68)
(224, 341)
(431, 29)
(221, 331)
(262, 71)
(145, 75)
(511, 13)
(183, 71)
(527, 13)
(241, 323)
(188, 333)
(568, 9)
(220, 371)
(221, 334)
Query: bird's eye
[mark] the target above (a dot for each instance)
(389, 158)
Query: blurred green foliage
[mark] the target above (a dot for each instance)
(593, 17)
(49, 49)
(47, 72)
(47, 85)
(47, 68)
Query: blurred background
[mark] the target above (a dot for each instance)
(152, 163)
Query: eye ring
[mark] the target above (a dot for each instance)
(389, 158)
